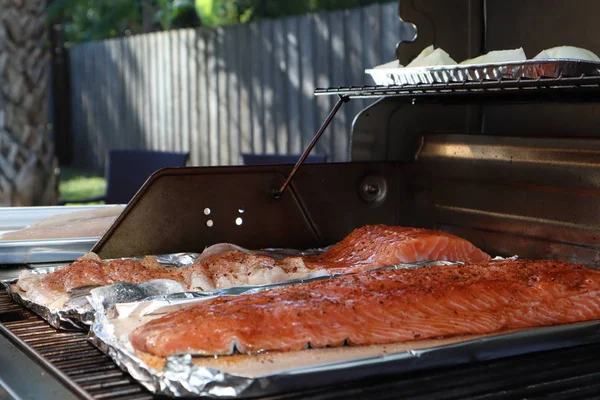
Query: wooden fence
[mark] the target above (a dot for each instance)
(219, 93)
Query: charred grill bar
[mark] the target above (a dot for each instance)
(511, 165)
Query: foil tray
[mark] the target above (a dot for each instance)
(529, 69)
(244, 376)
(77, 312)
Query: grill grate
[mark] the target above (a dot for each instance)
(569, 373)
(73, 355)
(581, 88)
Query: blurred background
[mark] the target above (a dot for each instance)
(214, 79)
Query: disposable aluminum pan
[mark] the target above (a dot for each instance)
(269, 373)
(72, 311)
(530, 69)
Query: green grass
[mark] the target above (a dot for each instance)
(75, 186)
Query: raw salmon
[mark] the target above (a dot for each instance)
(90, 270)
(225, 265)
(382, 306)
(372, 246)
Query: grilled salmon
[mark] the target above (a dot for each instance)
(379, 307)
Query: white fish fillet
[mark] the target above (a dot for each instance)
(226, 265)
(87, 223)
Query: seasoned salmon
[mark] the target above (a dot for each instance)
(90, 270)
(225, 265)
(379, 307)
(372, 246)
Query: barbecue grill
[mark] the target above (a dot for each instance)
(510, 165)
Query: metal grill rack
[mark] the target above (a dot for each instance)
(69, 356)
(583, 88)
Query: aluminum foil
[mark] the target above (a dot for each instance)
(530, 69)
(77, 313)
(187, 376)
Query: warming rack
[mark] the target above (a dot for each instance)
(583, 88)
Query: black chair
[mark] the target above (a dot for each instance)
(127, 170)
(274, 159)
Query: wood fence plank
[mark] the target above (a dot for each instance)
(268, 94)
(229, 70)
(212, 97)
(257, 92)
(204, 100)
(192, 80)
(308, 125)
(322, 71)
(244, 70)
(294, 86)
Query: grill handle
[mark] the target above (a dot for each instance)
(341, 100)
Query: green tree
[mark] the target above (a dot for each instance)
(86, 20)
(240, 11)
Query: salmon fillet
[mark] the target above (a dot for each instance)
(365, 248)
(90, 270)
(379, 307)
(225, 265)
(374, 246)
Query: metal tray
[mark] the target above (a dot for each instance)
(530, 69)
(41, 250)
(44, 251)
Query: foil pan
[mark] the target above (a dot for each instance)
(529, 69)
(244, 376)
(75, 312)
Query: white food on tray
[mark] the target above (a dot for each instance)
(391, 64)
(431, 57)
(567, 52)
(79, 224)
(498, 56)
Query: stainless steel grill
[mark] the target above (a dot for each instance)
(463, 141)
